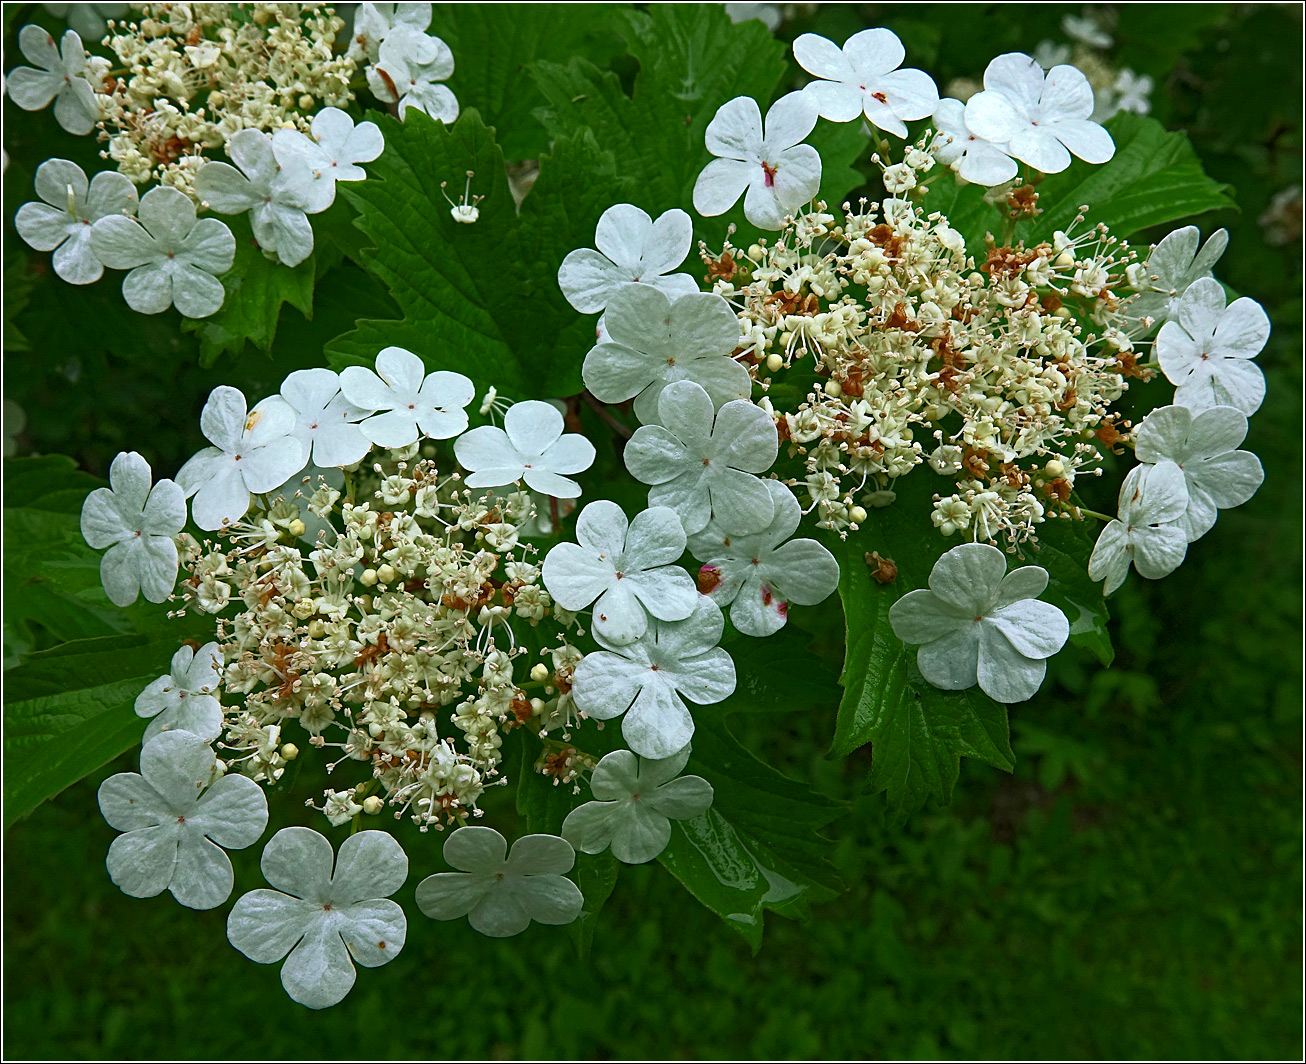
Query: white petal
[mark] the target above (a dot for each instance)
(1036, 629)
(369, 865)
(298, 861)
(141, 863)
(951, 662)
(721, 183)
(1004, 674)
(476, 849)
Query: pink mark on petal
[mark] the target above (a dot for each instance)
(770, 172)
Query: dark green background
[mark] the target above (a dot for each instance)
(1132, 892)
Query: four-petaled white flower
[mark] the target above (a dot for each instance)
(635, 801)
(778, 172)
(979, 623)
(409, 69)
(1205, 447)
(184, 700)
(253, 453)
(653, 341)
(1153, 500)
(632, 249)
(374, 22)
(529, 447)
(629, 567)
(179, 815)
(413, 403)
(171, 256)
(1040, 119)
(974, 158)
(276, 197)
(322, 916)
(1172, 268)
(1134, 92)
(1207, 354)
(500, 893)
(63, 223)
(702, 464)
(648, 679)
(759, 575)
(137, 523)
(58, 75)
(863, 78)
(331, 154)
(325, 421)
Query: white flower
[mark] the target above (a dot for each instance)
(769, 15)
(1207, 354)
(62, 223)
(172, 257)
(1171, 269)
(647, 680)
(276, 197)
(1084, 28)
(702, 464)
(408, 71)
(59, 78)
(1153, 499)
(529, 447)
(137, 522)
(177, 813)
(1204, 446)
(331, 154)
(325, 420)
(653, 341)
(184, 699)
(501, 893)
(863, 78)
(374, 22)
(973, 158)
(979, 623)
(629, 567)
(89, 20)
(632, 249)
(1040, 119)
(1050, 54)
(777, 171)
(634, 799)
(413, 403)
(320, 916)
(1135, 92)
(762, 573)
(249, 454)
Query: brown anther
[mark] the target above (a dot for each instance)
(883, 570)
(1057, 490)
(1023, 202)
(721, 269)
(708, 578)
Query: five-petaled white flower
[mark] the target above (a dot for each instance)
(409, 69)
(62, 223)
(171, 256)
(529, 447)
(648, 679)
(1174, 265)
(973, 158)
(179, 814)
(1134, 92)
(413, 403)
(635, 801)
(778, 172)
(702, 464)
(759, 575)
(59, 75)
(184, 700)
(1204, 446)
(629, 567)
(500, 893)
(1040, 119)
(276, 196)
(323, 916)
(863, 78)
(374, 22)
(325, 420)
(632, 249)
(253, 453)
(1153, 500)
(653, 341)
(137, 523)
(1207, 354)
(331, 154)
(979, 623)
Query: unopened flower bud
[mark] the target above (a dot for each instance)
(372, 805)
(368, 578)
(297, 528)
(304, 609)
(386, 574)
(537, 704)
(774, 363)
(290, 751)
(833, 389)
(316, 629)
(1054, 468)
(540, 672)
(857, 515)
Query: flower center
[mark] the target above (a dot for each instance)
(770, 172)
(879, 96)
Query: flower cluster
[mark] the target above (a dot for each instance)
(406, 65)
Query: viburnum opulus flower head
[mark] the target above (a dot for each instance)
(773, 170)
(1147, 531)
(184, 699)
(408, 71)
(632, 249)
(411, 402)
(1207, 354)
(58, 73)
(530, 447)
(373, 23)
(63, 222)
(978, 623)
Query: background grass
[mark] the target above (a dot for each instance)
(1133, 891)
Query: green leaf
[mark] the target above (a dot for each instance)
(482, 299)
(1064, 548)
(781, 673)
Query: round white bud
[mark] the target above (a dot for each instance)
(368, 578)
(297, 528)
(857, 515)
(775, 363)
(290, 751)
(540, 672)
(372, 805)
(833, 389)
(386, 574)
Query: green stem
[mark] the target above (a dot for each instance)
(1093, 513)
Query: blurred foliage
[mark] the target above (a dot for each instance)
(1133, 891)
